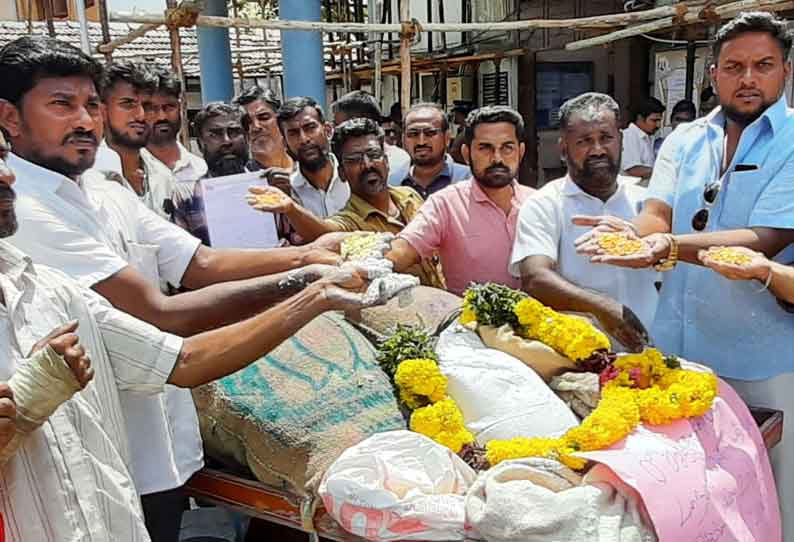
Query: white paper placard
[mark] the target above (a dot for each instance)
(231, 222)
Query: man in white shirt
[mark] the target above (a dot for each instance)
(360, 104)
(316, 184)
(638, 155)
(544, 255)
(67, 477)
(165, 120)
(101, 235)
(127, 89)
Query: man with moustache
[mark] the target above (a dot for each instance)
(224, 145)
(165, 120)
(726, 179)
(126, 92)
(426, 140)
(360, 104)
(102, 236)
(544, 256)
(374, 205)
(264, 137)
(471, 224)
(316, 184)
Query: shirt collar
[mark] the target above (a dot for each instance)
(479, 194)
(363, 208)
(640, 131)
(775, 116)
(13, 262)
(32, 176)
(570, 188)
(299, 180)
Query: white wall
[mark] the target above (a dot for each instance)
(8, 10)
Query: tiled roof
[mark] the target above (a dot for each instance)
(156, 44)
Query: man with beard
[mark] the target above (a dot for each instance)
(362, 105)
(316, 184)
(471, 224)
(165, 121)
(374, 205)
(126, 92)
(102, 236)
(727, 180)
(64, 456)
(426, 140)
(544, 257)
(223, 143)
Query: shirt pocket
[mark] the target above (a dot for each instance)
(739, 198)
(143, 257)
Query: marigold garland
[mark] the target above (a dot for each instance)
(570, 336)
(442, 422)
(420, 382)
(637, 388)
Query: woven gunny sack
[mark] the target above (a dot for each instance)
(289, 415)
(424, 307)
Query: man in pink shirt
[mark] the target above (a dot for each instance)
(471, 225)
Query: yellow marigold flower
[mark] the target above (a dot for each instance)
(468, 315)
(420, 382)
(442, 422)
(572, 337)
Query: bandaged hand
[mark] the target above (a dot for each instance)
(57, 368)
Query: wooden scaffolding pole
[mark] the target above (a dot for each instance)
(595, 22)
(105, 24)
(686, 17)
(176, 65)
(406, 37)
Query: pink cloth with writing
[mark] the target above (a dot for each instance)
(473, 237)
(707, 479)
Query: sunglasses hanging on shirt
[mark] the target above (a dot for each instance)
(701, 218)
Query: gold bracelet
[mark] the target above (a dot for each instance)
(666, 264)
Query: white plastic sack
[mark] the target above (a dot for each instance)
(540, 500)
(398, 485)
(499, 396)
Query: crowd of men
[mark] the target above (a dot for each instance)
(106, 259)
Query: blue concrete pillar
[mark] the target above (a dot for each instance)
(302, 52)
(215, 57)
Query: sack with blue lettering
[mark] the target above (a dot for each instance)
(288, 416)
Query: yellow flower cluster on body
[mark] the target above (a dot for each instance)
(423, 389)
(442, 422)
(420, 382)
(643, 389)
(570, 336)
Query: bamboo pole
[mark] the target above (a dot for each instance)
(595, 22)
(377, 83)
(105, 24)
(48, 17)
(724, 10)
(129, 38)
(179, 71)
(405, 56)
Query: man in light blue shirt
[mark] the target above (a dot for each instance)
(727, 180)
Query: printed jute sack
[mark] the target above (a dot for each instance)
(289, 415)
(423, 306)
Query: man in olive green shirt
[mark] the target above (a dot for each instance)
(373, 206)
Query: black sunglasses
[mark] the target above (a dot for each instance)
(701, 218)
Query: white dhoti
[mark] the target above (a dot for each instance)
(777, 393)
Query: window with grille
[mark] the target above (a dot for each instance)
(496, 88)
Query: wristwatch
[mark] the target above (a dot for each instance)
(666, 264)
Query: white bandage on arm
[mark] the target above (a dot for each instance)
(40, 387)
